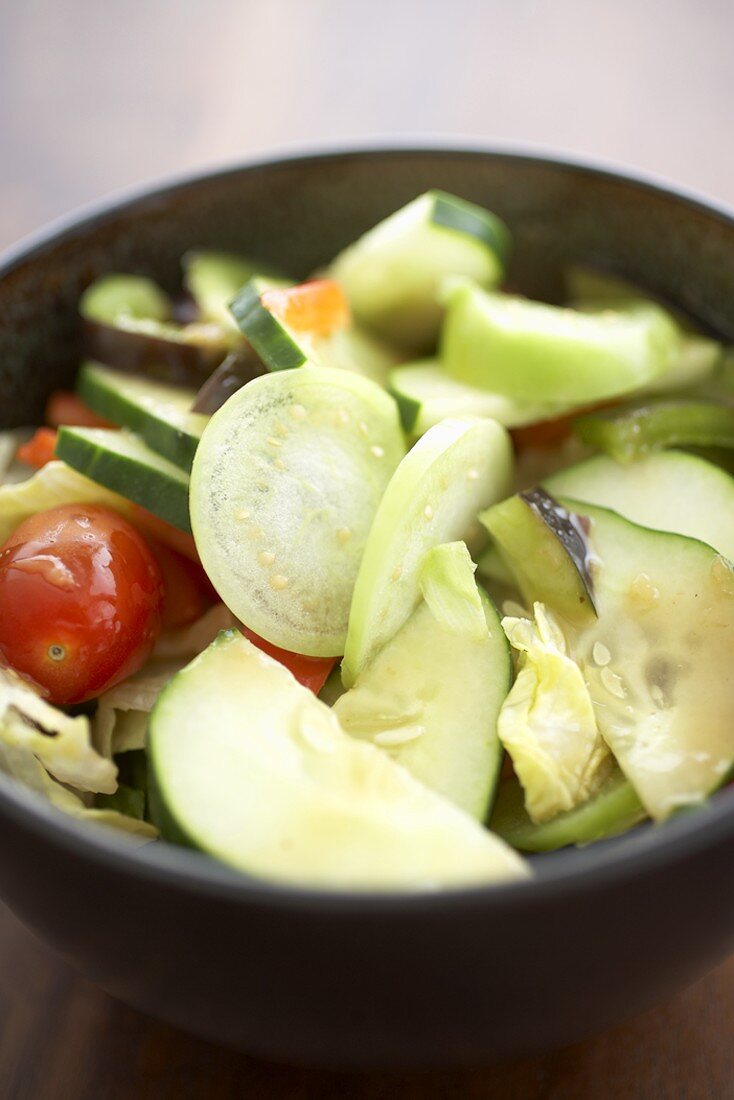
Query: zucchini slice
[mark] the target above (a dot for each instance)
(536, 352)
(432, 695)
(250, 766)
(426, 394)
(393, 274)
(284, 487)
(160, 414)
(669, 491)
(614, 809)
(281, 347)
(455, 469)
(627, 433)
(120, 461)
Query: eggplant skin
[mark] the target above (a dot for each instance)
(240, 367)
(570, 530)
(141, 353)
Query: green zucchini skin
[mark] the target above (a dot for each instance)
(159, 414)
(465, 217)
(133, 471)
(628, 433)
(270, 339)
(613, 810)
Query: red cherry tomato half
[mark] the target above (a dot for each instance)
(64, 407)
(187, 591)
(312, 672)
(39, 449)
(80, 601)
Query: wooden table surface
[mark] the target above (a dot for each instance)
(95, 97)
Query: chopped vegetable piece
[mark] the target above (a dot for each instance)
(431, 696)
(251, 767)
(456, 468)
(536, 352)
(319, 307)
(312, 672)
(612, 810)
(65, 408)
(284, 488)
(80, 601)
(546, 549)
(39, 449)
(547, 723)
(631, 431)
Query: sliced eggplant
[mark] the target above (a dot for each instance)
(240, 366)
(129, 323)
(546, 548)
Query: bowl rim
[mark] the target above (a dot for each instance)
(570, 871)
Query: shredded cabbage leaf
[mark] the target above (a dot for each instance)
(52, 485)
(547, 723)
(19, 762)
(62, 744)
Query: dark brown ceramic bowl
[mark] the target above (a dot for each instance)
(449, 979)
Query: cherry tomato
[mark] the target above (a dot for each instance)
(160, 531)
(64, 407)
(312, 672)
(80, 601)
(39, 449)
(319, 306)
(187, 591)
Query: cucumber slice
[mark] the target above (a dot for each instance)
(213, 279)
(546, 549)
(627, 433)
(657, 661)
(112, 298)
(160, 414)
(249, 766)
(613, 810)
(431, 699)
(426, 394)
(120, 461)
(455, 469)
(669, 491)
(281, 347)
(284, 487)
(393, 273)
(536, 352)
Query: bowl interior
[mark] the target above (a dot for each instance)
(296, 214)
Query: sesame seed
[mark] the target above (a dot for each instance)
(298, 412)
(601, 654)
(396, 573)
(378, 452)
(343, 534)
(242, 513)
(274, 442)
(266, 557)
(364, 429)
(279, 464)
(279, 582)
(399, 736)
(472, 474)
(428, 512)
(281, 429)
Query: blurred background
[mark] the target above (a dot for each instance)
(96, 96)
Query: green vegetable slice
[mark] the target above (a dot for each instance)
(457, 468)
(284, 488)
(251, 767)
(627, 433)
(120, 461)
